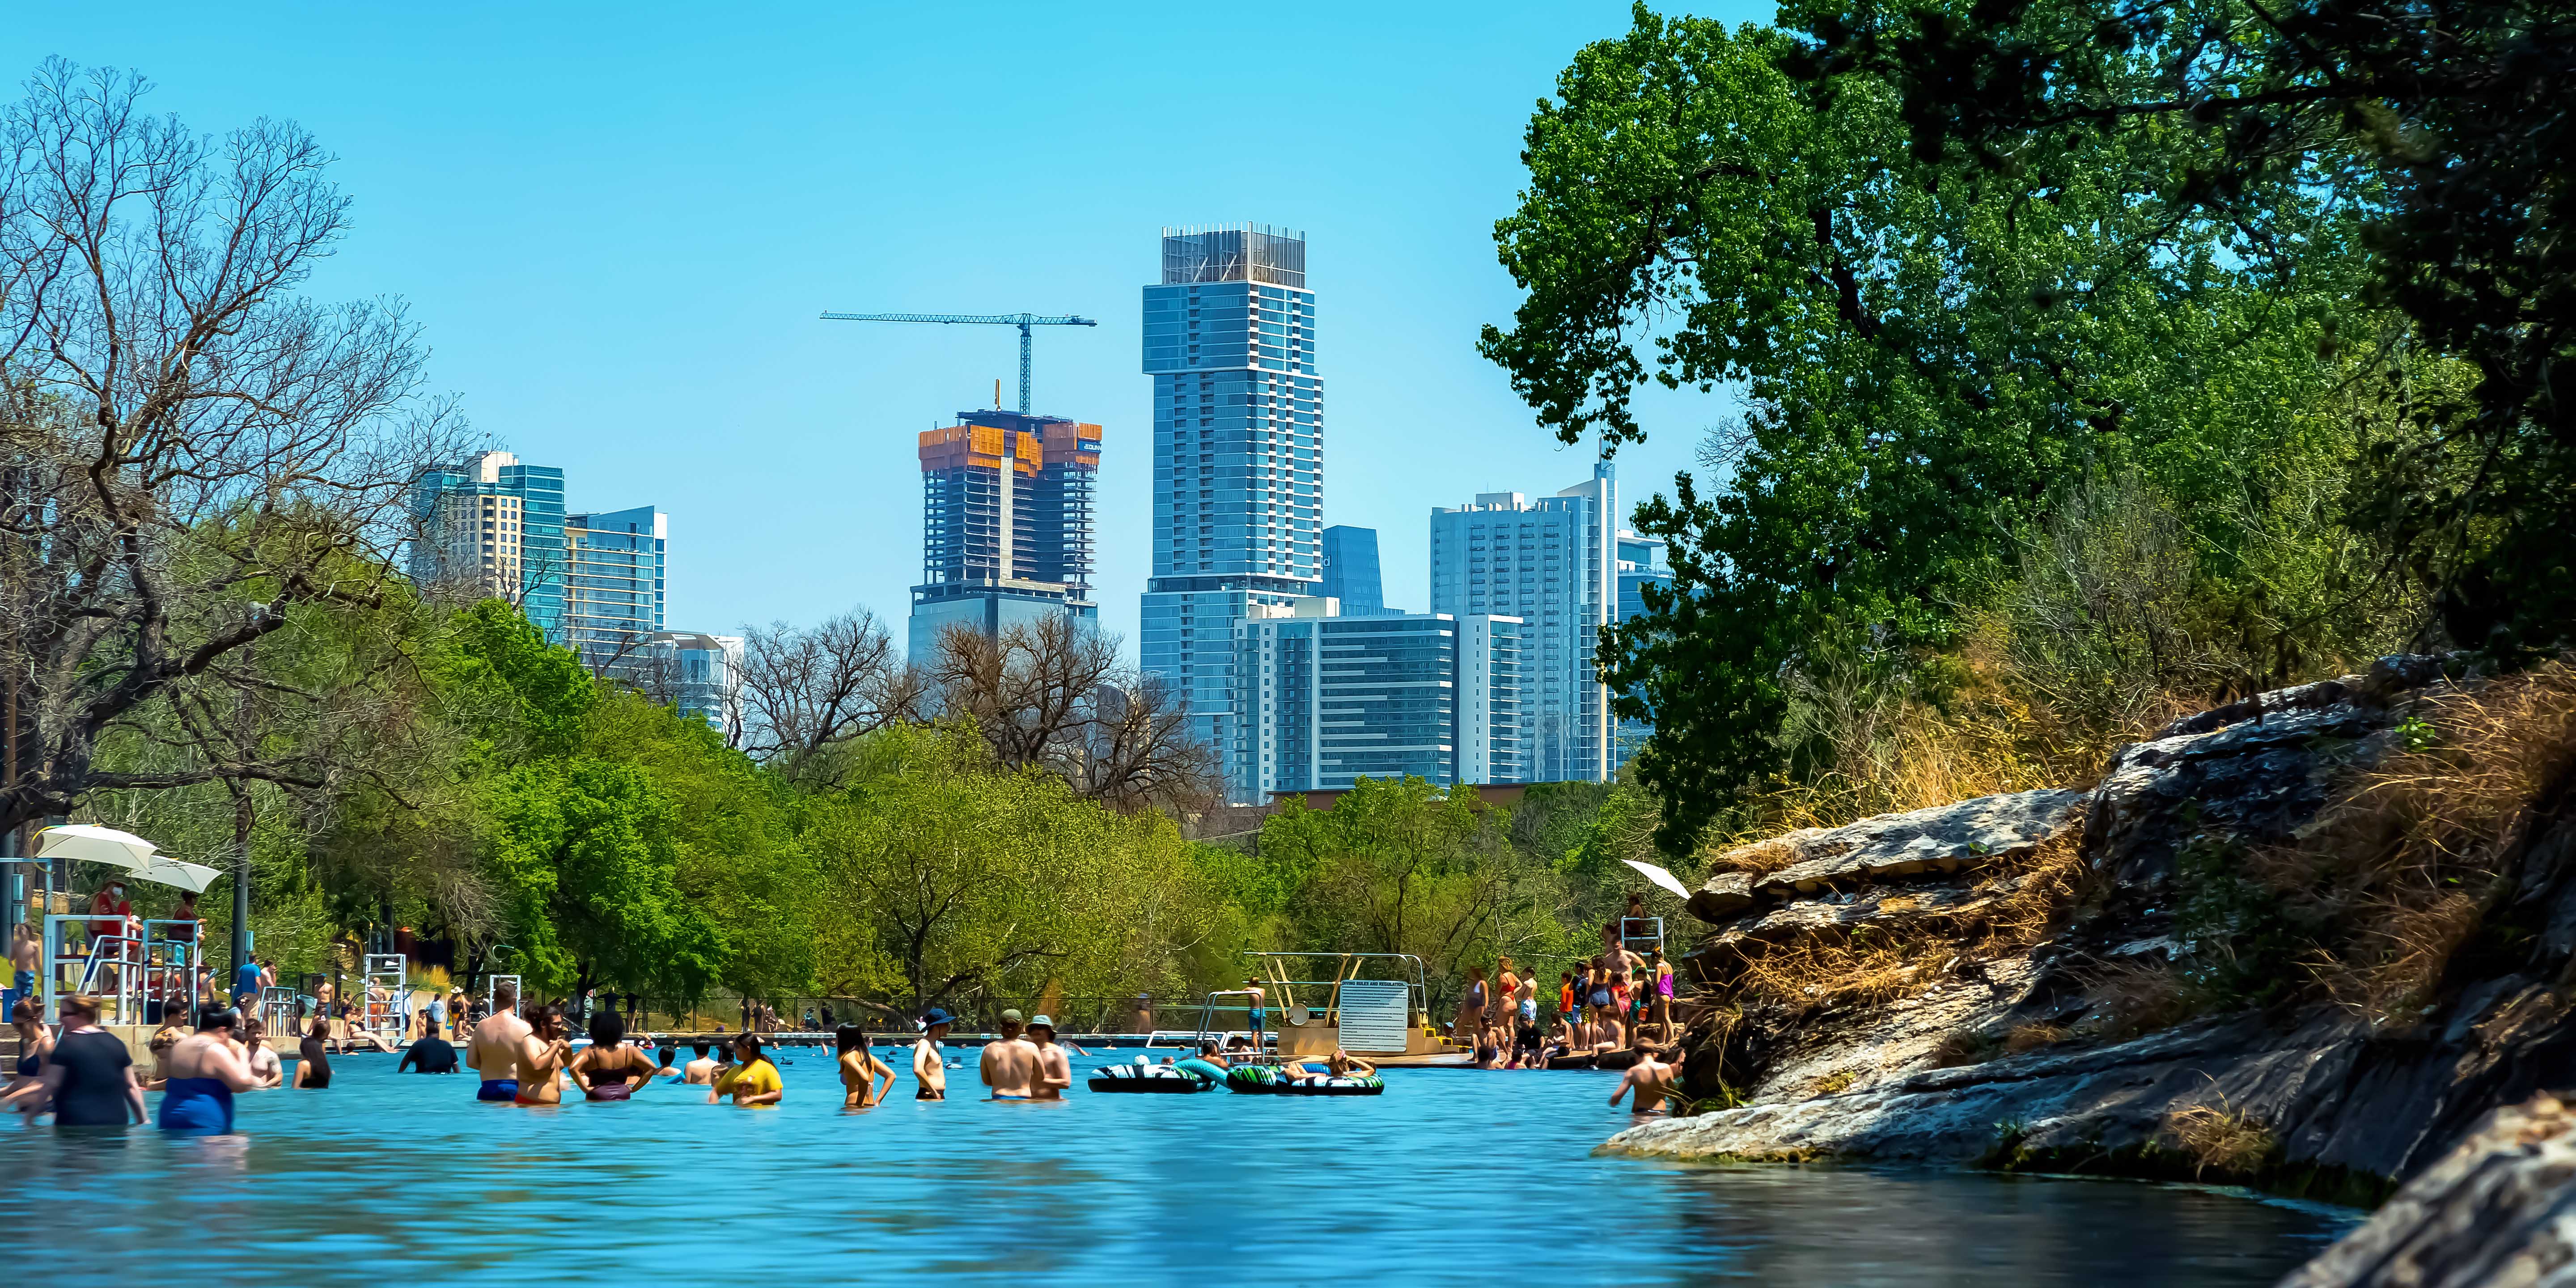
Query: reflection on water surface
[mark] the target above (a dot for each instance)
(1451, 1177)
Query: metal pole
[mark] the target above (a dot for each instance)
(245, 819)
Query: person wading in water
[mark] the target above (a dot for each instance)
(88, 1077)
(860, 1069)
(494, 1048)
(205, 1071)
(753, 1082)
(927, 1066)
(1055, 1069)
(1010, 1064)
(539, 1067)
(1652, 1080)
(313, 1062)
(610, 1069)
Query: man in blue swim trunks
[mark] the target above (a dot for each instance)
(494, 1048)
(26, 945)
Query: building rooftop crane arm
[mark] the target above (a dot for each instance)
(1021, 320)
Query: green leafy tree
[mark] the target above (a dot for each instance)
(1929, 365)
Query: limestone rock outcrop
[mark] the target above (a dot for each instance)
(2025, 1052)
(2500, 1209)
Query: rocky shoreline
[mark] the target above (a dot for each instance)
(2077, 1045)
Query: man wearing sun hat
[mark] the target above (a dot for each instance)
(1055, 1071)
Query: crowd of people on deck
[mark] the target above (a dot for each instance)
(1619, 1000)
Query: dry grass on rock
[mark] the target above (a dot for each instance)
(2404, 864)
(2219, 1139)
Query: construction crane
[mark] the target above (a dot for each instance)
(1021, 320)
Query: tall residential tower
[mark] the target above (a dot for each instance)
(1238, 455)
(1552, 563)
(495, 526)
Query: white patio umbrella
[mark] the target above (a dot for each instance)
(1660, 877)
(164, 870)
(91, 843)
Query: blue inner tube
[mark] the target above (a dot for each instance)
(1163, 1079)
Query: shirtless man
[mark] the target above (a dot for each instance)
(1011, 1063)
(1055, 1071)
(927, 1068)
(700, 1072)
(1652, 1080)
(494, 1048)
(26, 944)
(266, 1069)
(540, 1063)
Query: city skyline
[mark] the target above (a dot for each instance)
(518, 218)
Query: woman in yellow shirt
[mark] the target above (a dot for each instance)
(753, 1080)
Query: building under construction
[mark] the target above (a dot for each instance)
(1005, 523)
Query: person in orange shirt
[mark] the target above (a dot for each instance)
(1565, 993)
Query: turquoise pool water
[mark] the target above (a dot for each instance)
(1451, 1177)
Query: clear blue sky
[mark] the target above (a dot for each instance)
(619, 222)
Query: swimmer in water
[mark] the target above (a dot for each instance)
(926, 1067)
(609, 1069)
(700, 1072)
(1055, 1071)
(538, 1065)
(205, 1071)
(266, 1070)
(1009, 1063)
(1653, 1080)
(493, 1050)
(861, 1070)
(753, 1082)
(313, 1063)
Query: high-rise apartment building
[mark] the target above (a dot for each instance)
(1553, 564)
(613, 583)
(1329, 700)
(1006, 523)
(1238, 455)
(1351, 571)
(1643, 561)
(495, 526)
(701, 675)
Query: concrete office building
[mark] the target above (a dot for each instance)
(1006, 524)
(1328, 700)
(1553, 564)
(1229, 339)
(492, 526)
(613, 583)
(1351, 571)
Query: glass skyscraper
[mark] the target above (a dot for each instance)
(1554, 564)
(1351, 571)
(496, 527)
(1238, 455)
(613, 583)
(1330, 700)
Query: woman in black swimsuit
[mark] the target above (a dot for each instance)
(610, 1069)
(35, 1038)
(313, 1067)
